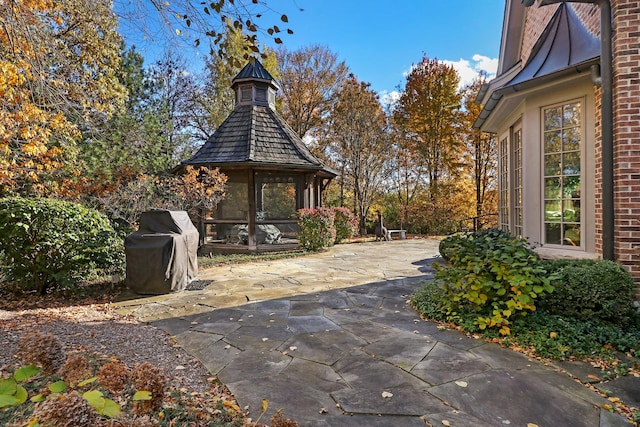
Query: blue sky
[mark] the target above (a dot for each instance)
(380, 40)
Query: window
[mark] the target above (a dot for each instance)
(261, 94)
(246, 93)
(503, 184)
(516, 153)
(510, 182)
(562, 127)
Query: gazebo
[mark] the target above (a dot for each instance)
(271, 173)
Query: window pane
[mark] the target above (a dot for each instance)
(552, 164)
(571, 210)
(572, 234)
(571, 139)
(552, 188)
(552, 142)
(552, 118)
(552, 234)
(570, 163)
(571, 114)
(552, 211)
(571, 187)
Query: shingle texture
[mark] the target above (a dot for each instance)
(255, 134)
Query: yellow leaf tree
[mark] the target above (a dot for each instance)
(58, 62)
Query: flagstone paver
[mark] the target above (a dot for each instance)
(330, 340)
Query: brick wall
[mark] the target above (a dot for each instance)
(626, 95)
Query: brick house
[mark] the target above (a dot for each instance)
(569, 167)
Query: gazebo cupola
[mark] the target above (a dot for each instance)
(271, 173)
(255, 86)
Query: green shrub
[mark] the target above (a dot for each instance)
(563, 337)
(590, 289)
(430, 301)
(345, 222)
(493, 274)
(317, 230)
(51, 243)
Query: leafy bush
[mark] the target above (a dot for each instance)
(548, 335)
(345, 222)
(590, 289)
(317, 229)
(48, 243)
(493, 274)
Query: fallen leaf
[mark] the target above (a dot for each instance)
(446, 423)
(553, 334)
(461, 383)
(180, 367)
(323, 411)
(293, 348)
(227, 347)
(387, 395)
(593, 377)
(265, 339)
(614, 399)
(532, 425)
(194, 323)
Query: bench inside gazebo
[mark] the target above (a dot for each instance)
(271, 173)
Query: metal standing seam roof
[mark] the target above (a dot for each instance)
(256, 135)
(254, 70)
(565, 47)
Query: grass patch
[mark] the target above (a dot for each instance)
(216, 260)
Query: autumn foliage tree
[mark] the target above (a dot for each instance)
(58, 61)
(205, 23)
(311, 78)
(194, 190)
(359, 144)
(427, 113)
(481, 152)
(429, 150)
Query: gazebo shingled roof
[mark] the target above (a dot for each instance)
(255, 134)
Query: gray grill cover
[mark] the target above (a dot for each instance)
(162, 256)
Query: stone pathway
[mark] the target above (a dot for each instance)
(331, 351)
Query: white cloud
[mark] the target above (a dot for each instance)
(387, 99)
(469, 69)
(484, 63)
